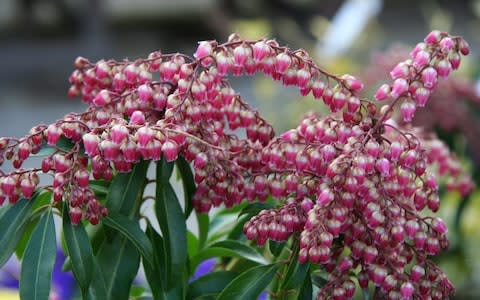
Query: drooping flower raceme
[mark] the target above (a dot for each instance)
(350, 186)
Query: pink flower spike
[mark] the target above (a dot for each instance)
(102, 98)
(325, 198)
(421, 96)
(382, 92)
(383, 166)
(406, 290)
(439, 226)
(407, 109)
(318, 87)
(399, 87)
(446, 44)
(204, 49)
(90, 143)
(240, 55)
(352, 83)
(118, 133)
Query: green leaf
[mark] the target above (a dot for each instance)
(38, 260)
(210, 284)
(22, 244)
(118, 262)
(192, 242)
(307, 291)
(276, 247)
(125, 188)
(228, 248)
(98, 287)
(155, 273)
(79, 250)
(131, 230)
(12, 226)
(318, 279)
(295, 275)
(203, 222)
(63, 143)
(249, 284)
(137, 291)
(172, 223)
(188, 183)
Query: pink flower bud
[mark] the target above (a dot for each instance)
(443, 68)
(303, 77)
(170, 150)
(90, 142)
(352, 83)
(137, 118)
(102, 70)
(204, 49)
(406, 290)
(53, 134)
(416, 273)
(318, 87)
(421, 96)
(454, 60)
(433, 37)
(119, 82)
(382, 92)
(144, 135)
(110, 150)
(399, 87)
(383, 166)
(378, 275)
(421, 59)
(464, 47)
(400, 71)
(131, 73)
(338, 100)
(429, 77)
(27, 186)
(407, 110)
(282, 62)
(119, 133)
(353, 104)
(241, 54)
(102, 98)
(75, 215)
(446, 44)
(82, 177)
(145, 93)
(260, 51)
(325, 198)
(439, 226)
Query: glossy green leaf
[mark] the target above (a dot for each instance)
(188, 183)
(203, 222)
(276, 247)
(38, 260)
(79, 250)
(155, 273)
(125, 188)
(131, 230)
(295, 275)
(12, 226)
(306, 292)
(22, 243)
(318, 279)
(228, 248)
(249, 284)
(63, 143)
(98, 287)
(118, 261)
(210, 284)
(172, 224)
(192, 242)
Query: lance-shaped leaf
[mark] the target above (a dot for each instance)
(228, 248)
(172, 224)
(12, 226)
(249, 284)
(131, 230)
(118, 262)
(124, 189)
(188, 183)
(38, 260)
(79, 250)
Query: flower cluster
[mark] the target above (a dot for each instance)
(351, 184)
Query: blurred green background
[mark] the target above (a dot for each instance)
(39, 39)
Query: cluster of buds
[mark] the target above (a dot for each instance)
(347, 181)
(452, 107)
(414, 79)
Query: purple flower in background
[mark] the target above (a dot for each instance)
(63, 284)
(204, 268)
